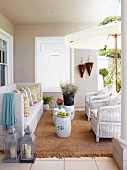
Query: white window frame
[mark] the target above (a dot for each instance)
(39, 40)
(9, 38)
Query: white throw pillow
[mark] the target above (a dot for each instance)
(102, 91)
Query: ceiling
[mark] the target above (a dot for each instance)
(87, 12)
(96, 37)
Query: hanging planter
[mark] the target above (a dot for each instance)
(89, 67)
(81, 69)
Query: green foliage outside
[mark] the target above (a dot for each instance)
(110, 19)
(110, 78)
(48, 99)
(109, 52)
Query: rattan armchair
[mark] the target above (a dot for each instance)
(93, 96)
(106, 120)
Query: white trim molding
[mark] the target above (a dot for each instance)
(9, 39)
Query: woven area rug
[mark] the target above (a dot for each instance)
(81, 143)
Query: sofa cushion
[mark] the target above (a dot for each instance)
(32, 118)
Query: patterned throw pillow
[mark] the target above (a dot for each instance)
(26, 102)
(34, 94)
(28, 91)
(26, 106)
(38, 92)
(112, 101)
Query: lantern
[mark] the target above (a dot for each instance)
(27, 147)
(11, 144)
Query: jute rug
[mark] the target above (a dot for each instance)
(81, 143)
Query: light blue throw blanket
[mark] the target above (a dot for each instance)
(8, 111)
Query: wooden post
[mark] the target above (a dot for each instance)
(116, 58)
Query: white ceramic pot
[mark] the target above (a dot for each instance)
(70, 110)
(63, 126)
(46, 106)
(55, 111)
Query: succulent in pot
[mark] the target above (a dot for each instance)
(63, 114)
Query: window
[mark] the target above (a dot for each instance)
(6, 58)
(52, 62)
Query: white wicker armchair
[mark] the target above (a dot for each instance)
(106, 121)
(91, 97)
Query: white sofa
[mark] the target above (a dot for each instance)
(35, 111)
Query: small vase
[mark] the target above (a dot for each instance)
(60, 107)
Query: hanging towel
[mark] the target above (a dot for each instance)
(8, 111)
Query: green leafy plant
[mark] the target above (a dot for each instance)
(110, 78)
(104, 72)
(110, 19)
(68, 88)
(47, 99)
(109, 52)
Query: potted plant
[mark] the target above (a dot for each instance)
(104, 72)
(68, 90)
(59, 103)
(47, 102)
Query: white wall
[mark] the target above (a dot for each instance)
(24, 48)
(87, 83)
(24, 61)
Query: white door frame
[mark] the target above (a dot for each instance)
(52, 39)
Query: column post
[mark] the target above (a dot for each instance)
(120, 143)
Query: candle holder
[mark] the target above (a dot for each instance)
(27, 147)
(11, 144)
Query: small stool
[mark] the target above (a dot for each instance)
(63, 126)
(70, 110)
(56, 110)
